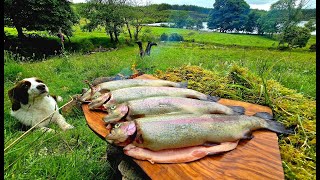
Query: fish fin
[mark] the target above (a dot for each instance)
(238, 109)
(248, 136)
(199, 154)
(213, 98)
(264, 115)
(278, 127)
(210, 144)
(183, 84)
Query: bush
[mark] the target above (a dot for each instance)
(313, 48)
(164, 37)
(147, 35)
(296, 36)
(175, 37)
(84, 45)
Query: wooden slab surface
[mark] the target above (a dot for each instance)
(258, 158)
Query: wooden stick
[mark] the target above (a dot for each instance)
(36, 125)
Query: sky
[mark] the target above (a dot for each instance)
(254, 4)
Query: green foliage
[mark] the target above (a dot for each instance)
(228, 15)
(295, 36)
(179, 18)
(308, 14)
(175, 37)
(313, 47)
(252, 21)
(49, 15)
(311, 25)
(164, 37)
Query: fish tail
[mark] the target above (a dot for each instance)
(272, 124)
(264, 115)
(183, 84)
(238, 109)
(278, 127)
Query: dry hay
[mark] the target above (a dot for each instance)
(298, 151)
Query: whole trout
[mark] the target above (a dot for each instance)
(178, 131)
(165, 105)
(134, 93)
(99, 89)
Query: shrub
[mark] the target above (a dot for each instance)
(164, 37)
(295, 36)
(313, 47)
(84, 45)
(175, 37)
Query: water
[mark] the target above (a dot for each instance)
(206, 29)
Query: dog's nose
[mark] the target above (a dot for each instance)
(41, 87)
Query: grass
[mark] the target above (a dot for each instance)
(79, 153)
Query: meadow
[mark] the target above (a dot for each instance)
(79, 153)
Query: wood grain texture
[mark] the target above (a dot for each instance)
(258, 158)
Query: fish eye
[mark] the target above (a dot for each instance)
(113, 107)
(117, 125)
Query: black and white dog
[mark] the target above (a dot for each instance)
(31, 103)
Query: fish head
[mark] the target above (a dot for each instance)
(98, 102)
(121, 132)
(115, 112)
(90, 94)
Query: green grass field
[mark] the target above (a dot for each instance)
(79, 153)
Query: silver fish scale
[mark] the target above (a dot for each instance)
(176, 131)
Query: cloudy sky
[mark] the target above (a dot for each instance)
(254, 4)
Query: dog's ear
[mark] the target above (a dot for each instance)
(14, 100)
(19, 94)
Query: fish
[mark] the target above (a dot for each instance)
(133, 93)
(177, 131)
(179, 155)
(99, 89)
(165, 105)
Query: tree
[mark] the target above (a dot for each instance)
(252, 21)
(106, 13)
(49, 15)
(268, 23)
(179, 18)
(311, 25)
(228, 15)
(289, 14)
(295, 36)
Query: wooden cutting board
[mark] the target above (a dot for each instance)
(258, 158)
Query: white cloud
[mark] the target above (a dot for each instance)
(260, 6)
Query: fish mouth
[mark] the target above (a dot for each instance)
(114, 116)
(98, 103)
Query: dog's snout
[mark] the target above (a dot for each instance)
(41, 87)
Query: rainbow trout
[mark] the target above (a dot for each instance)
(178, 131)
(165, 105)
(102, 88)
(134, 93)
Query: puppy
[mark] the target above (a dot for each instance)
(31, 103)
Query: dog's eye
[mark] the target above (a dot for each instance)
(25, 86)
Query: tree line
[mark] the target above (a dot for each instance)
(282, 19)
(117, 16)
